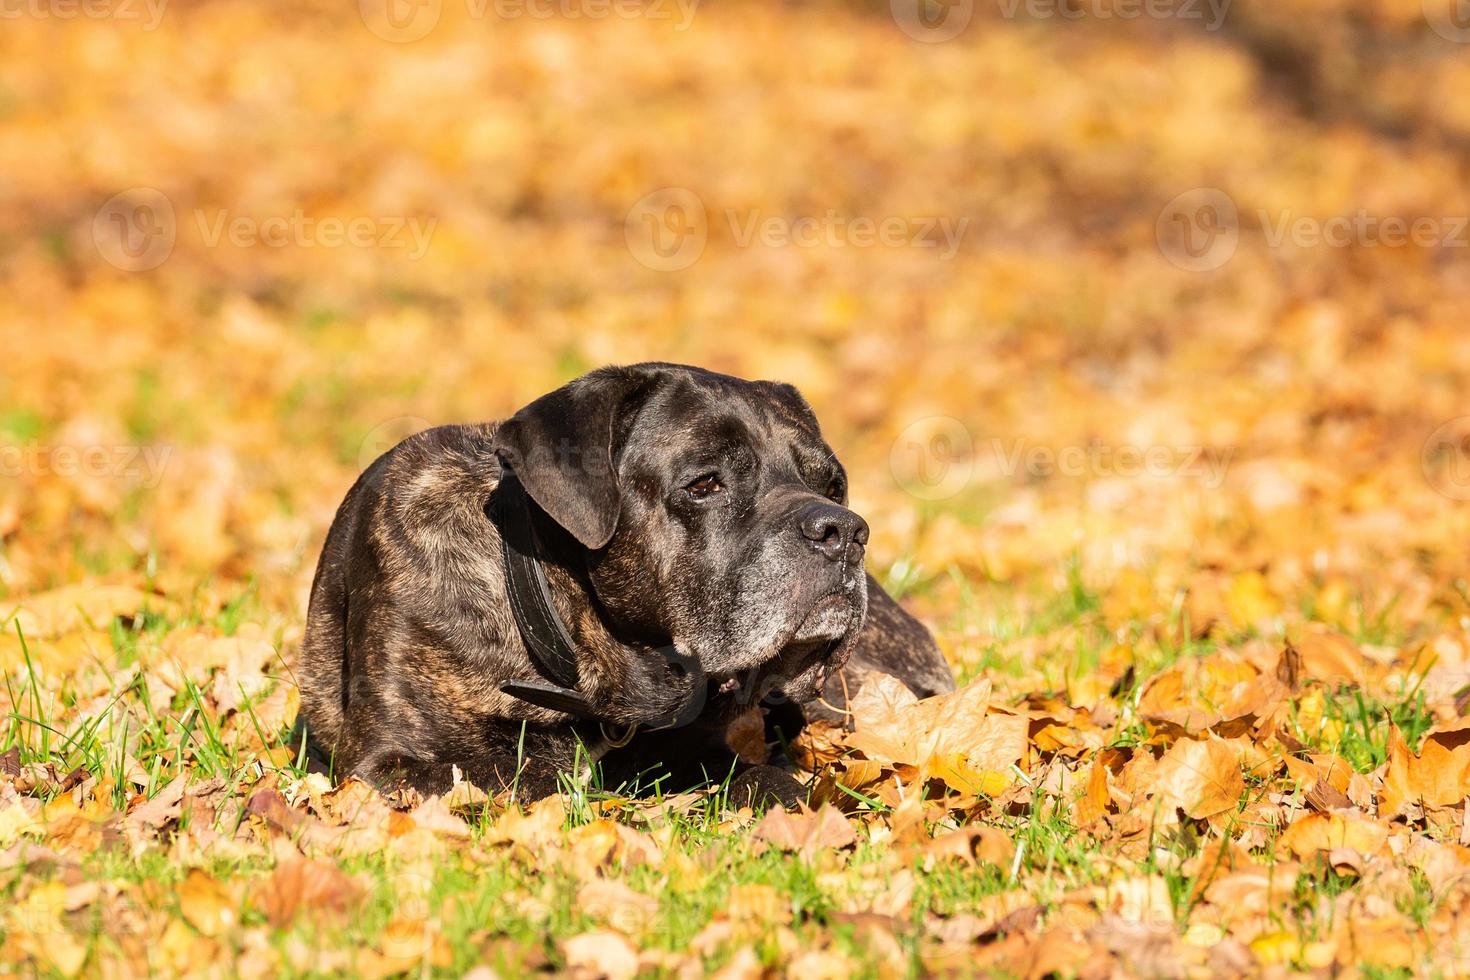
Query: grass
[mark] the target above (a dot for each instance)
(506, 909)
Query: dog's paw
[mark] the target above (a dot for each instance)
(762, 787)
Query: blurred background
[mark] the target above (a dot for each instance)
(1155, 308)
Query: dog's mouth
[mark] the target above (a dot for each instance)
(799, 661)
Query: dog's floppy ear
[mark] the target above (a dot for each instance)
(561, 447)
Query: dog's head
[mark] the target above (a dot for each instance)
(714, 514)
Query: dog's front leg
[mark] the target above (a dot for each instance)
(530, 768)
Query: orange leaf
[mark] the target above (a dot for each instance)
(1201, 776)
(806, 831)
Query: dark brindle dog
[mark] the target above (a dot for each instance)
(611, 575)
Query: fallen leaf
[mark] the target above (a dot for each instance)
(601, 954)
(1200, 776)
(207, 905)
(615, 905)
(806, 831)
(302, 885)
(1327, 832)
(975, 844)
(745, 736)
(1438, 776)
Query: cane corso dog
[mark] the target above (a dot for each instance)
(608, 577)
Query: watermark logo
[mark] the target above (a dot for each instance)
(301, 230)
(1445, 459)
(1211, 12)
(1198, 230)
(932, 21)
(933, 458)
(410, 895)
(136, 229)
(680, 11)
(149, 13)
(142, 466)
(832, 229)
(1450, 19)
(1363, 230)
(668, 229)
(406, 21)
(400, 21)
(1107, 460)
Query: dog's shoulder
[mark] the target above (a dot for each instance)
(443, 459)
(437, 477)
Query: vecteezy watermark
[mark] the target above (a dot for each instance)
(932, 21)
(935, 21)
(1445, 458)
(1125, 461)
(669, 229)
(1450, 19)
(138, 229)
(148, 13)
(140, 465)
(933, 458)
(300, 230)
(1364, 230)
(405, 21)
(1199, 230)
(410, 895)
(936, 458)
(832, 229)
(1211, 12)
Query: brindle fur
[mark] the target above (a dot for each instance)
(409, 632)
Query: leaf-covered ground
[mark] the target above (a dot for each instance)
(1188, 515)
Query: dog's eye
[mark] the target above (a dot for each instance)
(704, 486)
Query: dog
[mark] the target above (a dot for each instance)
(608, 578)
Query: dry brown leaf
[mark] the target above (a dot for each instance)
(435, 816)
(806, 831)
(1095, 800)
(973, 844)
(616, 906)
(955, 735)
(744, 965)
(745, 736)
(1200, 776)
(1194, 694)
(208, 905)
(758, 904)
(536, 828)
(20, 817)
(301, 885)
(1341, 830)
(1438, 776)
(601, 954)
(48, 615)
(149, 816)
(1331, 657)
(819, 743)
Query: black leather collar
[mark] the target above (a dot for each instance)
(552, 650)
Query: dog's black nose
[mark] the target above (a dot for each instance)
(832, 529)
